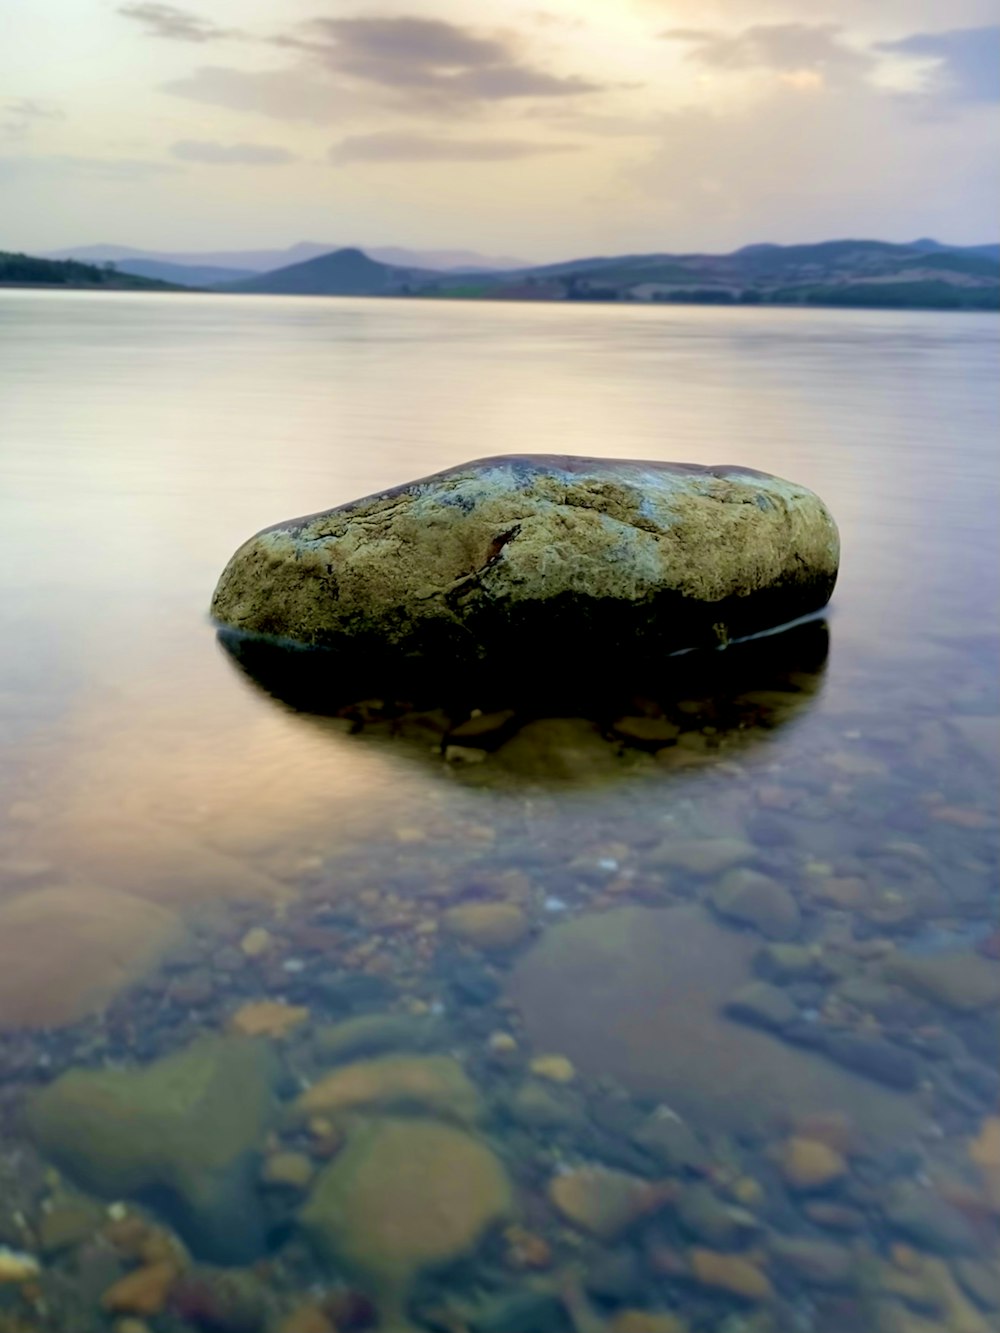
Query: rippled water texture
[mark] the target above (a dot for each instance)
(680, 1014)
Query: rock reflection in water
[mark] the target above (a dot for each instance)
(685, 711)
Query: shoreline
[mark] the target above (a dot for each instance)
(168, 290)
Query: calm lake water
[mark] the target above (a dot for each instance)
(593, 1033)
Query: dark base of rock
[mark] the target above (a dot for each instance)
(603, 683)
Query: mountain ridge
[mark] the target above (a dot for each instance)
(264, 260)
(866, 273)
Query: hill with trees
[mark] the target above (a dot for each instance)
(17, 270)
(858, 273)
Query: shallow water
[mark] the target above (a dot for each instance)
(177, 842)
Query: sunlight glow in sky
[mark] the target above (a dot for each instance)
(543, 130)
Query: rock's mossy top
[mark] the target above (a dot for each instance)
(526, 554)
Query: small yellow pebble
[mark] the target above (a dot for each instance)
(288, 1170)
(15, 1266)
(256, 942)
(810, 1164)
(556, 1068)
(747, 1191)
(267, 1018)
(730, 1272)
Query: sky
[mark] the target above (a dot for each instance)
(542, 130)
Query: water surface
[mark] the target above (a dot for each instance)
(176, 843)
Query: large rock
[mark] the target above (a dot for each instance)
(518, 555)
(182, 1132)
(402, 1196)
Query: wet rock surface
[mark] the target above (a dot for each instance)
(506, 555)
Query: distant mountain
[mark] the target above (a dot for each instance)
(18, 270)
(264, 261)
(248, 261)
(181, 275)
(859, 273)
(447, 261)
(834, 273)
(347, 272)
(856, 273)
(985, 251)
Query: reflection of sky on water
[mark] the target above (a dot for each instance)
(143, 438)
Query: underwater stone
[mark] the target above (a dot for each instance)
(762, 1005)
(959, 981)
(184, 1130)
(601, 1201)
(637, 994)
(486, 926)
(530, 557)
(404, 1195)
(757, 900)
(374, 1034)
(434, 1083)
(66, 952)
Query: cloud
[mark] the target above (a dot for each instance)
(282, 94)
(61, 165)
(391, 147)
(844, 165)
(31, 109)
(176, 25)
(398, 64)
(23, 114)
(429, 60)
(964, 63)
(234, 154)
(784, 48)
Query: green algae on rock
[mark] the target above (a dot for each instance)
(524, 557)
(376, 1034)
(185, 1130)
(402, 1196)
